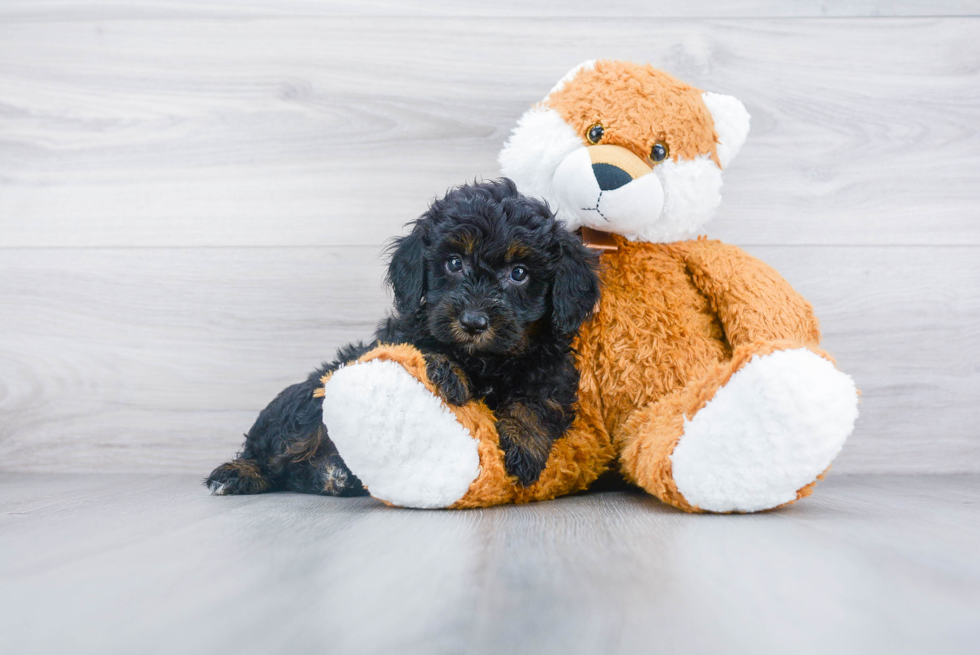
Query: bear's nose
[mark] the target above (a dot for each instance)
(474, 322)
(610, 177)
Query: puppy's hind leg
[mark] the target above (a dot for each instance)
(286, 427)
(287, 447)
(325, 474)
(237, 477)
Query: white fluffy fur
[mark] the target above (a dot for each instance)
(771, 430)
(536, 147)
(397, 437)
(627, 210)
(692, 194)
(731, 123)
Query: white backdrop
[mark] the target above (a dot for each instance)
(194, 196)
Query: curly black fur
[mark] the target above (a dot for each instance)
(512, 349)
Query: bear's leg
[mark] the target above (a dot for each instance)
(754, 434)
(411, 449)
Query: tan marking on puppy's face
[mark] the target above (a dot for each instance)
(637, 106)
(517, 250)
(462, 242)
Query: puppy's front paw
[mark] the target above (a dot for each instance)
(448, 379)
(526, 448)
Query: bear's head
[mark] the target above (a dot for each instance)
(626, 148)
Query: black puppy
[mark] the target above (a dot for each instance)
(491, 289)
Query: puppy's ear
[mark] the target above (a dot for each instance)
(406, 269)
(575, 290)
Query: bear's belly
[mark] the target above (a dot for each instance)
(654, 332)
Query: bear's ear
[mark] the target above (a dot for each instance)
(570, 75)
(731, 123)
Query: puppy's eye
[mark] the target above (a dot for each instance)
(519, 274)
(594, 133)
(454, 264)
(659, 152)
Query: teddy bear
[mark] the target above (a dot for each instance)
(702, 380)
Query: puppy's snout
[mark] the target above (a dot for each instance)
(474, 322)
(610, 177)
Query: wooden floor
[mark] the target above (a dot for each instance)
(123, 564)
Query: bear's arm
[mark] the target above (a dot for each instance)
(752, 300)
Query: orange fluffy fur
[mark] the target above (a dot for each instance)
(638, 106)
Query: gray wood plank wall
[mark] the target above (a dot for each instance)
(193, 196)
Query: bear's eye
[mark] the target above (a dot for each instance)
(454, 264)
(659, 152)
(519, 274)
(594, 134)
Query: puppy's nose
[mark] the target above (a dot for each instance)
(610, 177)
(474, 322)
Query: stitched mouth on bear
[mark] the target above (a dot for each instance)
(596, 208)
(622, 194)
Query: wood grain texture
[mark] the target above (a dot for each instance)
(124, 564)
(163, 358)
(34, 10)
(331, 131)
(159, 359)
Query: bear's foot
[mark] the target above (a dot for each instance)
(407, 448)
(766, 434)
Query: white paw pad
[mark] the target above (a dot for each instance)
(776, 425)
(397, 437)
